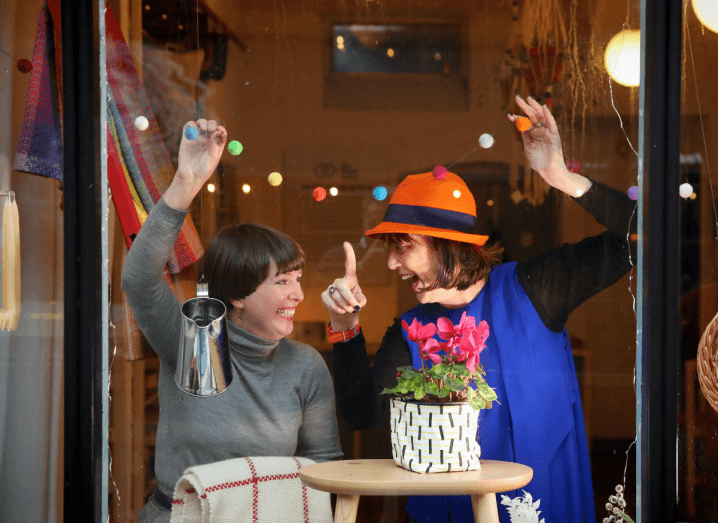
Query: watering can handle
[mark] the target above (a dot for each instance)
(202, 290)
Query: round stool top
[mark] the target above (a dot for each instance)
(383, 477)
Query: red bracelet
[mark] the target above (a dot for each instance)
(339, 336)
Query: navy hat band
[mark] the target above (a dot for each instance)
(429, 217)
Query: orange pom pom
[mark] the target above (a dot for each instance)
(523, 124)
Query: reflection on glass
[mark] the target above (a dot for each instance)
(295, 86)
(697, 441)
(396, 49)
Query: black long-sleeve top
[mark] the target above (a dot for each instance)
(556, 282)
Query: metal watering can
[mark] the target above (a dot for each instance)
(203, 364)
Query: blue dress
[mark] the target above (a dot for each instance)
(538, 418)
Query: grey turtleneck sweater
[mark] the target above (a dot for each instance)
(281, 401)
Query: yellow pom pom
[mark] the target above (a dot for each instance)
(274, 179)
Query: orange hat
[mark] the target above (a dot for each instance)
(423, 204)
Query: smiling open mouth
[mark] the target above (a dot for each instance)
(287, 314)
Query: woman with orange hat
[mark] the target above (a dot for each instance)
(538, 421)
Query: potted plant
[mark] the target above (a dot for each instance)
(434, 418)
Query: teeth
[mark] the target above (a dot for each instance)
(406, 276)
(287, 313)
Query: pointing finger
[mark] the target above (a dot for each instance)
(350, 266)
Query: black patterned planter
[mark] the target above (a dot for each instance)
(434, 437)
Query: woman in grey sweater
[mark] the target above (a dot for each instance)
(281, 401)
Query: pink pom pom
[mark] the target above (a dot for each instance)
(439, 172)
(573, 166)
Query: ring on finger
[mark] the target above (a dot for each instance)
(331, 290)
(539, 124)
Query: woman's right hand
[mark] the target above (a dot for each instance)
(343, 298)
(196, 161)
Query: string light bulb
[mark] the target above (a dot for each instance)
(707, 13)
(246, 188)
(211, 187)
(623, 57)
(333, 191)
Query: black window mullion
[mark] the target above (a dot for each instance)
(83, 464)
(661, 105)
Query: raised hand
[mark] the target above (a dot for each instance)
(542, 145)
(343, 298)
(198, 158)
(196, 161)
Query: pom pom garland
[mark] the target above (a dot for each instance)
(235, 148)
(486, 140)
(439, 172)
(573, 166)
(685, 190)
(274, 179)
(141, 123)
(191, 133)
(633, 193)
(380, 193)
(319, 194)
(24, 65)
(523, 124)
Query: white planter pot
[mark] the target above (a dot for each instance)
(434, 437)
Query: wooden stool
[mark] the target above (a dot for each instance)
(382, 477)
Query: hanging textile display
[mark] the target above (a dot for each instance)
(139, 169)
(10, 312)
(147, 171)
(139, 166)
(39, 149)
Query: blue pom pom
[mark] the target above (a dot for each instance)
(380, 193)
(191, 133)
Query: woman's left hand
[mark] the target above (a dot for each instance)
(542, 144)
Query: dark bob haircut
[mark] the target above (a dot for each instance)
(240, 256)
(460, 264)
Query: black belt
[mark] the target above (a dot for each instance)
(162, 499)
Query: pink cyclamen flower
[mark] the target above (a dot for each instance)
(430, 349)
(418, 332)
(471, 345)
(447, 330)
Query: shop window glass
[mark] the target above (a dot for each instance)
(31, 320)
(697, 442)
(347, 116)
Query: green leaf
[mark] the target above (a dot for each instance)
(432, 388)
(408, 372)
(419, 393)
(476, 402)
(444, 392)
(485, 391)
(459, 369)
(454, 384)
(439, 371)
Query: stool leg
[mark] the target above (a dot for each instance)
(485, 509)
(346, 510)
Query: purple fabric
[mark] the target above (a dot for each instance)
(39, 150)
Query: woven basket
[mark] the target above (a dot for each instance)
(434, 437)
(708, 363)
